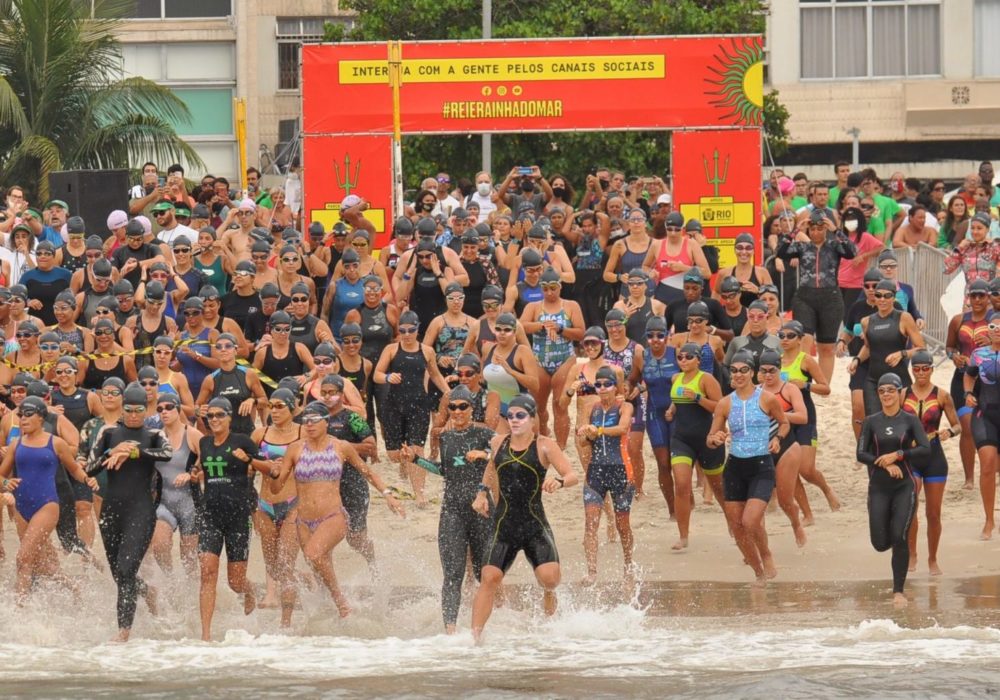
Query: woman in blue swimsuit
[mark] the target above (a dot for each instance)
(38, 455)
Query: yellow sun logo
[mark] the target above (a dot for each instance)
(739, 83)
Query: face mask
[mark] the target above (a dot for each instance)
(851, 225)
(559, 192)
(616, 232)
(527, 186)
(428, 206)
(484, 189)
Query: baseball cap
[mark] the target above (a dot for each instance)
(163, 205)
(664, 198)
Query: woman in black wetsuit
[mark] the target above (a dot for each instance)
(224, 463)
(404, 371)
(465, 447)
(890, 440)
(886, 334)
(129, 451)
(515, 478)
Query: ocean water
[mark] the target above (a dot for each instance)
(686, 640)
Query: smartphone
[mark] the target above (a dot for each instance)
(524, 170)
(161, 181)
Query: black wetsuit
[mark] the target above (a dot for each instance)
(348, 426)
(407, 414)
(229, 497)
(519, 522)
(460, 528)
(891, 502)
(232, 385)
(128, 516)
(884, 338)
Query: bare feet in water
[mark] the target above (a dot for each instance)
(933, 568)
(770, 570)
(550, 602)
(680, 544)
(800, 536)
(899, 600)
(589, 580)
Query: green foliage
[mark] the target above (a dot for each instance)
(64, 103)
(775, 124)
(570, 153)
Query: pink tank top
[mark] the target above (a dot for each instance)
(663, 272)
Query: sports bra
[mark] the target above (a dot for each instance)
(313, 466)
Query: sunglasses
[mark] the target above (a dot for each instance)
(465, 375)
(656, 335)
(787, 335)
(300, 300)
(157, 215)
(111, 392)
(135, 409)
(281, 329)
(742, 369)
(224, 346)
(104, 331)
(216, 415)
(459, 406)
(312, 420)
(604, 383)
(518, 415)
(684, 356)
(49, 347)
(407, 330)
(163, 408)
(323, 361)
(993, 326)
(885, 295)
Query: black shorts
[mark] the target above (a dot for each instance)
(229, 527)
(933, 468)
(820, 311)
(985, 430)
(786, 444)
(748, 477)
(857, 381)
(81, 492)
(685, 450)
(355, 497)
(539, 547)
(405, 425)
(806, 434)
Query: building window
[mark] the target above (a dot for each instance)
(177, 9)
(291, 33)
(870, 38)
(987, 27)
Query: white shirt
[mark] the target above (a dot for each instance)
(293, 192)
(486, 206)
(165, 236)
(18, 265)
(446, 206)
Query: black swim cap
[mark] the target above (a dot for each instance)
(134, 395)
(222, 404)
(461, 393)
(890, 379)
(526, 402)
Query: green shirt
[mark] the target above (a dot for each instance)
(887, 207)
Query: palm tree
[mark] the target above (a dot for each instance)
(64, 103)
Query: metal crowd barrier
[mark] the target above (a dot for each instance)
(921, 267)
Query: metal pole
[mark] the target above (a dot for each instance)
(855, 134)
(395, 62)
(487, 158)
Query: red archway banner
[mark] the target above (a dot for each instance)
(668, 83)
(536, 85)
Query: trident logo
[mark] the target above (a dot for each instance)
(715, 179)
(345, 182)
